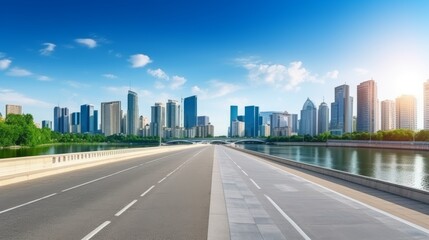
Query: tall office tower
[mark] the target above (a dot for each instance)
(342, 111)
(190, 112)
(96, 121)
(388, 115)
(75, 122)
(157, 123)
(47, 124)
(132, 113)
(172, 113)
(87, 119)
(323, 118)
(233, 114)
(203, 120)
(308, 122)
(65, 120)
(57, 115)
(124, 123)
(111, 118)
(237, 129)
(13, 109)
(426, 105)
(295, 125)
(406, 112)
(280, 124)
(251, 121)
(367, 107)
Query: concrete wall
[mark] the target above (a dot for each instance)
(25, 168)
(411, 193)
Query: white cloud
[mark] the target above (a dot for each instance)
(4, 64)
(44, 78)
(110, 76)
(287, 78)
(177, 82)
(159, 85)
(19, 72)
(158, 73)
(332, 75)
(87, 42)
(77, 85)
(139, 60)
(361, 71)
(216, 89)
(48, 49)
(7, 95)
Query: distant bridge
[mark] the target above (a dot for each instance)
(215, 141)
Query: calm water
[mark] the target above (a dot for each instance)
(58, 149)
(405, 167)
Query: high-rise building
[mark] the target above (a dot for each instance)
(75, 122)
(233, 114)
(342, 111)
(203, 120)
(13, 109)
(237, 129)
(388, 115)
(57, 116)
(280, 124)
(308, 122)
(172, 119)
(157, 123)
(132, 113)
(190, 112)
(426, 105)
(111, 118)
(61, 120)
(240, 118)
(323, 118)
(295, 125)
(406, 112)
(47, 124)
(367, 107)
(251, 121)
(96, 129)
(87, 120)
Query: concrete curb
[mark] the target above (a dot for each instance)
(218, 216)
(407, 192)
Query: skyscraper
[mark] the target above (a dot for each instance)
(172, 120)
(388, 115)
(157, 123)
(367, 107)
(190, 112)
(203, 120)
(426, 105)
(96, 121)
(132, 113)
(342, 111)
(47, 124)
(323, 118)
(13, 109)
(75, 122)
(65, 120)
(280, 124)
(251, 121)
(308, 122)
(233, 113)
(87, 119)
(406, 112)
(57, 116)
(111, 118)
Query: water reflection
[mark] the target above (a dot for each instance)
(405, 167)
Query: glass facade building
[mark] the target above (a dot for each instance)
(132, 113)
(251, 121)
(190, 112)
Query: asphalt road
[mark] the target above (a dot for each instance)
(164, 196)
(265, 202)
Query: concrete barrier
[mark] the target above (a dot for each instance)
(404, 191)
(25, 168)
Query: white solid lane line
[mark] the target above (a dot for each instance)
(254, 183)
(245, 173)
(147, 191)
(27, 203)
(160, 181)
(95, 231)
(297, 228)
(125, 208)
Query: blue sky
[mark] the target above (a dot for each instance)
(273, 54)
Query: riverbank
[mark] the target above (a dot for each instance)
(421, 146)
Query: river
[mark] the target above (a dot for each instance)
(405, 167)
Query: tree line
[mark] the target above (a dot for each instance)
(20, 130)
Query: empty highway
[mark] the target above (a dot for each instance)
(170, 196)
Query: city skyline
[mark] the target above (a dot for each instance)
(269, 55)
